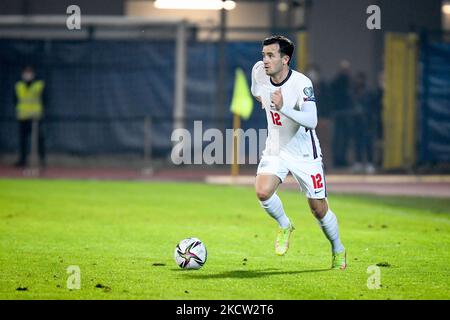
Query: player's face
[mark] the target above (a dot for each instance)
(273, 62)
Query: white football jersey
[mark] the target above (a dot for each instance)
(284, 134)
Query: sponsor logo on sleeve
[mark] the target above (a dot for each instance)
(309, 93)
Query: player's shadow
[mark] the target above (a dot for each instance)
(245, 274)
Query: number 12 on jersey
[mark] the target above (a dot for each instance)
(275, 118)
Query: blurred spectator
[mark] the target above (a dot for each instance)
(340, 93)
(29, 96)
(362, 118)
(320, 90)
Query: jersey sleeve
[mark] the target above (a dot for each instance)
(256, 87)
(306, 114)
(307, 117)
(307, 93)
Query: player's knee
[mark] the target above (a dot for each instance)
(319, 213)
(263, 194)
(319, 209)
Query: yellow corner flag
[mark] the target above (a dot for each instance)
(242, 103)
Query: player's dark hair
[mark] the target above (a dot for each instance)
(286, 45)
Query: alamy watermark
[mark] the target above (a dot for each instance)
(374, 280)
(73, 21)
(213, 147)
(74, 279)
(374, 20)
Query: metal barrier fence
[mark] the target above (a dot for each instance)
(144, 137)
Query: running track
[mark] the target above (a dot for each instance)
(403, 185)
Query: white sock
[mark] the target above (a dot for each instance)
(274, 207)
(329, 225)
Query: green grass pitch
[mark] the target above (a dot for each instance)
(122, 236)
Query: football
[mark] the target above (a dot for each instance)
(190, 253)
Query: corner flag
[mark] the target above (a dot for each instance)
(242, 102)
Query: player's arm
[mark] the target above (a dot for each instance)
(307, 117)
(256, 88)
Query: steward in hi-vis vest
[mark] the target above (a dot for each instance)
(29, 99)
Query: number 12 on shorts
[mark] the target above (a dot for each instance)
(317, 181)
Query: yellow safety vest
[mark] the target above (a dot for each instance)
(29, 100)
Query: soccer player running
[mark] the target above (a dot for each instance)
(292, 145)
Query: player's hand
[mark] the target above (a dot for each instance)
(277, 99)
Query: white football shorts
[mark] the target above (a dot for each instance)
(308, 174)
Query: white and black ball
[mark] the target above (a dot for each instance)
(190, 253)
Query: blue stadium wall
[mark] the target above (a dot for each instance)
(99, 92)
(434, 111)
